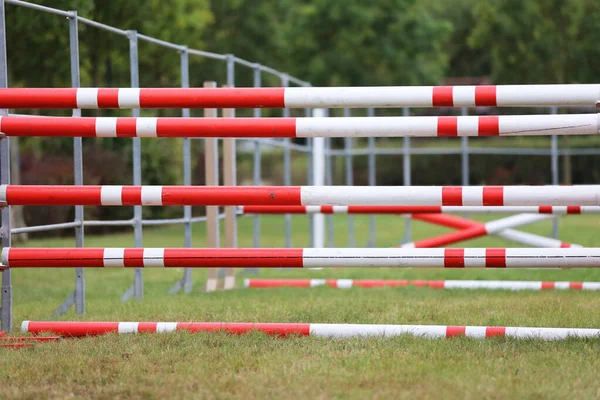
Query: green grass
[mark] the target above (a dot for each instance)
(182, 365)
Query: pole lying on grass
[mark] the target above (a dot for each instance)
(255, 283)
(78, 329)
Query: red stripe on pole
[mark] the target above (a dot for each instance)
(272, 329)
(55, 258)
(495, 258)
(227, 127)
(454, 258)
(327, 209)
(436, 284)
(73, 329)
(447, 126)
(452, 196)
(492, 331)
(131, 195)
(442, 96)
(133, 258)
(233, 258)
(565, 244)
(126, 127)
(547, 285)
(576, 285)
(545, 209)
(147, 327)
(489, 126)
(61, 195)
(493, 196)
(213, 98)
(49, 126)
(451, 221)
(108, 98)
(231, 196)
(28, 98)
(485, 96)
(476, 230)
(267, 283)
(452, 331)
(573, 209)
(367, 283)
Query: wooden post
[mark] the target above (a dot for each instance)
(229, 179)
(211, 167)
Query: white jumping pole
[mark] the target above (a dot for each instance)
(318, 164)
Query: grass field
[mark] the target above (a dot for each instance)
(253, 366)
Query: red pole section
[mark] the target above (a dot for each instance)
(150, 127)
(303, 329)
(305, 97)
(335, 196)
(302, 258)
(452, 237)
(447, 220)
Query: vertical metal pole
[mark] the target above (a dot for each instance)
(318, 179)
(230, 178)
(372, 169)
(349, 181)
(211, 173)
(77, 163)
(329, 182)
(138, 284)
(406, 171)
(310, 180)
(464, 152)
(187, 170)
(257, 160)
(6, 310)
(554, 168)
(287, 168)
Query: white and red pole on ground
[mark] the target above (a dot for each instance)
(79, 329)
(582, 95)
(257, 283)
(552, 258)
(107, 195)
(166, 127)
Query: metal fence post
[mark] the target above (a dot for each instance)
(349, 181)
(372, 170)
(230, 178)
(6, 310)
(406, 171)
(185, 282)
(287, 167)
(318, 179)
(257, 171)
(554, 169)
(329, 182)
(77, 298)
(310, 179)
(137, 290)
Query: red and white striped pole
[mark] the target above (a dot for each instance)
(301, 258)
(472, 229)
(554, 210)
(127, 127)
(54, 195)
(562, 124)
(255, 283)
(78, 329)
(585, 95)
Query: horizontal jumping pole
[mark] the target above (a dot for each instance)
(554, 210)
(310, 97)
(79, 329)
(68, 195)
(472, 229)
(301, 258)
(150, 127)
(255, 283)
